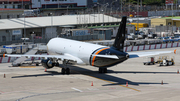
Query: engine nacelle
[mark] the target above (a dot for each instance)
(47, 63)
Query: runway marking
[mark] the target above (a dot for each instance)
(77, 89)
(92, 89)
(1, 92)
(115, 83)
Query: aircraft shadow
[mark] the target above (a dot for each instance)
(116, 80)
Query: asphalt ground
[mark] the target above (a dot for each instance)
(145, 82)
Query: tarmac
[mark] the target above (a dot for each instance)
(128, 81)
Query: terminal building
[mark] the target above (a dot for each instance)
(34, 4)
(12, 30)
(38, 4)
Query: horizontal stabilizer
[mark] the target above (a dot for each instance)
(107, 56)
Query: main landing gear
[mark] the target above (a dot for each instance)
(102, 70)
(65, 69)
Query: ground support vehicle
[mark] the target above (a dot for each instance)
(166, 62)
(149, 61)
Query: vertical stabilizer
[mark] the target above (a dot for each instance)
(120, 37)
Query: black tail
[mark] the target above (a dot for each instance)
(120, 37)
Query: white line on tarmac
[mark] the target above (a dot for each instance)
(1, 92)
(92, 89)
(77, 89)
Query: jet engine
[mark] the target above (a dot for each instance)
(47, 63)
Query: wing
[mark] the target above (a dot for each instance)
(60, 57)
(142, 54)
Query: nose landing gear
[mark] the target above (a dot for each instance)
(102, 70)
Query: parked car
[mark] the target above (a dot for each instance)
(165, 39)
(177, 38)
(172, 39)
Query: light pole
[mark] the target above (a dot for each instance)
(67, 9)
(121, 7)
(32, 36)
(104, 7)
(22, 4)
(58, 3)
(98, 11)
(3, 9)
(24, 28)
(117, 14)
(138, 15)
(112, 3)
(51, 24)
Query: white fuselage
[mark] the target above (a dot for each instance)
(81, 50)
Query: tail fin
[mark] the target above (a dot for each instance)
(120, 37)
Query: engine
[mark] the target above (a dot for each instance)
(47, 63)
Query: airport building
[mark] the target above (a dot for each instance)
(34, 4)
(10, 13)
(16, 4)
(166, 21)
(12, 30)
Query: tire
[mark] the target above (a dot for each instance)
(100, 70)
(105, 70)
(57, 64)
(167, 64)
(67, 71)
(144, 63)
(37, 64)
(63, 71)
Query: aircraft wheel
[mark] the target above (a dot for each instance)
(167, 64)
(67, 71)
(63, 71)
(105, 70)
(100, 70)
(57, 64)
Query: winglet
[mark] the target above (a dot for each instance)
(3, 55)
(175, 51)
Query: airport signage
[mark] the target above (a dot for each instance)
(169, 2)
(16, 32)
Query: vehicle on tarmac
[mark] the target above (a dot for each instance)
(177, 38)
(165, 61)
(149, 61)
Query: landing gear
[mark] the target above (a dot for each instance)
(102, 70)
(65, 69)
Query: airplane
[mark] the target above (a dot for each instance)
(82, 53)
